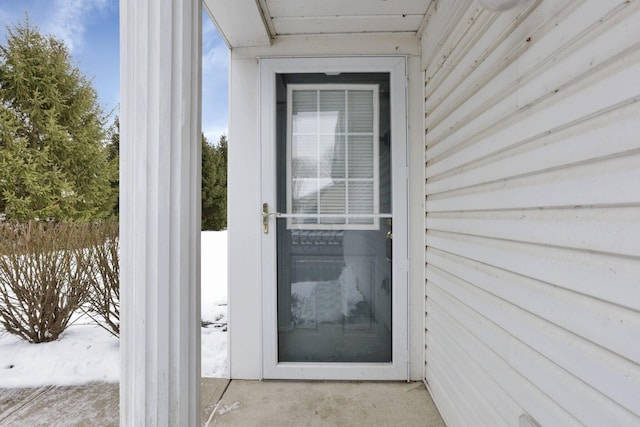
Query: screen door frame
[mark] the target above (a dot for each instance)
(397, 369)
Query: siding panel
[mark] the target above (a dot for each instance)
(497, 398)
(533, 212)
(603, 276)
(478, 338)
(606, 182)
(604, 135)
(488, 57)
(574, 53)
(603, 369)
(554, 111)
(534, 366)
(613, 230)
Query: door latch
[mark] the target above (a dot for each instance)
(390, 241)
(265, 217)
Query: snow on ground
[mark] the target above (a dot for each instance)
(87, 353)
(214, 303)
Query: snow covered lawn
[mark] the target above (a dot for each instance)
(214, 303)
(88, 353)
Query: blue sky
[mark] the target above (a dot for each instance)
(90, 28)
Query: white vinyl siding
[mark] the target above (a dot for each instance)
(533, 212)
(333, 165)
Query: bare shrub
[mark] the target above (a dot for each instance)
(104, 298)
(45, 276)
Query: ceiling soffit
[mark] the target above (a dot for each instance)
(245, 23)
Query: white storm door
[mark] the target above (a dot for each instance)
(334, 265)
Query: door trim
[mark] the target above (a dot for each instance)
(398, 368)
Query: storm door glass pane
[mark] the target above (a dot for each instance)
(334, 264)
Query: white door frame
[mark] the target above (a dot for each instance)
(398, 368)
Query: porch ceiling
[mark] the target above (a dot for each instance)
(245, 23)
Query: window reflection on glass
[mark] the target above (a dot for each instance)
(333, 172)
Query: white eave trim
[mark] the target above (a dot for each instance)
(335, 45)
(240, 22)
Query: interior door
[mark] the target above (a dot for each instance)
(330, 219)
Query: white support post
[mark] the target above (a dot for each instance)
(160, 212)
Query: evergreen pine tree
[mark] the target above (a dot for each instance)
(208, 171)
(53, 160)
(214, 184)
(113, 158)
(221, 182)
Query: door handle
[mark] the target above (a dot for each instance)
(389, 241)
(265, 217)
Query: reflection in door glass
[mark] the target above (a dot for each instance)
(334, 296)
(334, 184)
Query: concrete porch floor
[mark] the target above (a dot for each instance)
(237, 403)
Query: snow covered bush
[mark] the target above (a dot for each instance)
(45, 276)
(104, 298)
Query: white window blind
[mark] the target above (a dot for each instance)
(332, 156)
